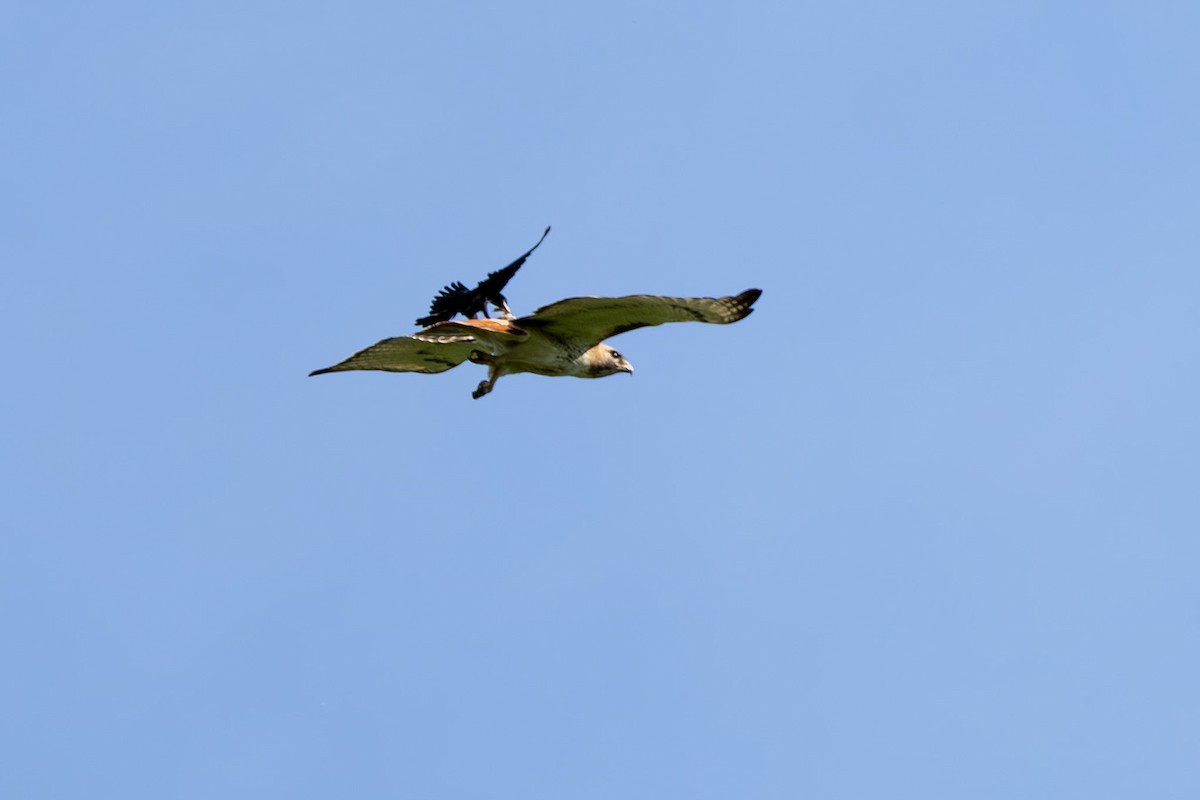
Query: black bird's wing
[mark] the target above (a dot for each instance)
(453, 299)
(490, 288)
(458, 299)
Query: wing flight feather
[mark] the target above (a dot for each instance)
(406, 354)
(594, 319)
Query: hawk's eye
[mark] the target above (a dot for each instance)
(615, 354)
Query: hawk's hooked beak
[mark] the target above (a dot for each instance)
(627, 368)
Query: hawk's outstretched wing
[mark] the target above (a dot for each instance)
(591, 320)
(406, 354)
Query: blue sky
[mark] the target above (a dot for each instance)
(924, 525)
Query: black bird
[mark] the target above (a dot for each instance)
(458, 299)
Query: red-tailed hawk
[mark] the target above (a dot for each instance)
(458, 299)
(563, 338)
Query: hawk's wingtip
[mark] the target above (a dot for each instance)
(744, 302)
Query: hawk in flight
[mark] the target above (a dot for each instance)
(458, 299)
(563, 338)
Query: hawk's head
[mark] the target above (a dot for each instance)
(603, 360)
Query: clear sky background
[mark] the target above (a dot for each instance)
(924, 525)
